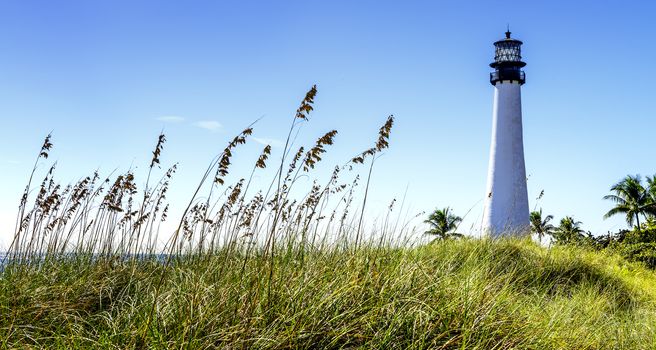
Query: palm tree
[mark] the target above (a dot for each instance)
(630, 199)
(651, 191)
(569, 231)
(651, 223)
(541, 226)
(443, 224)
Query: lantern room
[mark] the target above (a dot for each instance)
(507, 61)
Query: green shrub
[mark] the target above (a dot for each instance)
(644, 252)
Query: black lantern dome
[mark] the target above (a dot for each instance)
(507, 61)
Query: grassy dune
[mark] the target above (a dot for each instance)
(453, 294)
(291, 265)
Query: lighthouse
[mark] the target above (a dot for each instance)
(506, 210)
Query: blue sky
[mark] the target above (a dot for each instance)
(106, 76)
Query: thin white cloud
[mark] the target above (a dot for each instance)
(211, 125)
(273, 142)
(171, 119)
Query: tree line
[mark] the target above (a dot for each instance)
(632, 198)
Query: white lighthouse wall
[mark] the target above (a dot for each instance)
(506, 209)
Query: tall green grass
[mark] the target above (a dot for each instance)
(288, 266)
(452, 295)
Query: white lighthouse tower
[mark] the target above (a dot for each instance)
(506, 210)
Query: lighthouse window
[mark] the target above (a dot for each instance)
(507, 51)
